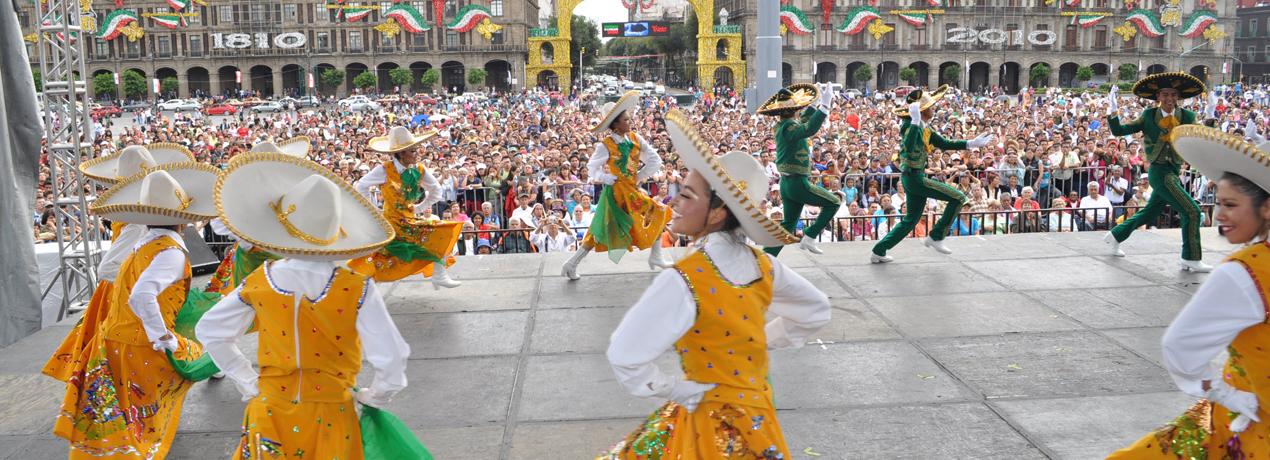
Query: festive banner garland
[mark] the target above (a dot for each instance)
(408, 17)
(1197, 23)
(646, 5)
(469, 17)
(939, 3)
(355, 14)
(169, 20)
(793, 20)
(1085, 19)
(826, 7)
(115, 22)
(438, 11)
(178, 5)
(917, 18)
(1071, 3)
(858, 19)
(1147, 22)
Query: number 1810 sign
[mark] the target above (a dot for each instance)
(998, 36)
(287, 40)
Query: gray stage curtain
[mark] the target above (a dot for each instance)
(20, 134)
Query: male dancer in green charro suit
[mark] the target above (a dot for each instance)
(917, 141)
(1156, 125)
(794, 162)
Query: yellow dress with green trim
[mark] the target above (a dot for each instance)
(65, 360)
(1203, 432)
(726, 346)
(419, 243)
(647, 218)
(309, 359)
(125, 402)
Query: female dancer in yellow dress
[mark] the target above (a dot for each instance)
(710, 309)
(421, 246)
(125, 401)
(1228, 313)
(626, 217)
(108, 170)
(317, 321)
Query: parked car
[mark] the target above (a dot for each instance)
(268, 107)
(221, 109)
(252, 101)
(308, 101)
(611, 91)
(102, 111)
(358, 103)
(852, 93)
(391, 99)
(289, 102)
(660, 90)
(180, 105)
(424, 99)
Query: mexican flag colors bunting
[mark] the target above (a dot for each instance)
(915, 19)
(795, 21)
(468, 18)
(858, 19)
(169, 20)
(1087, 20)
(354, 14)
(408, 17)
(1195, 25)
(1147, 22)
(115, 21)
(178, 5)
(935, 2)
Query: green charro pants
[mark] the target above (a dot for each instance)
(797, 191)
(920, 188)
(1167, 191)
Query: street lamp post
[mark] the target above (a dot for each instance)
(1241, 68)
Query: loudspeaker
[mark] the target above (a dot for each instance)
(202, 260)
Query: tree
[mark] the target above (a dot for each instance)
(909, 75)
(1040, 75)
(134, 85)
(952, 74)
(332, 78)
(1128, 72)
(365, 80)
(104, 85)
(476, 77)
(400, 77)
(862, 75)
(430, 77)
(39, 80)
(169, 85)
(1084, 73)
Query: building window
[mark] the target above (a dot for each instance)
(291, 13)
(420, 41)
(163, 46)
(496, 8)
(496, 38)
(889, 39)
(196, 45)
(103, 49)
(1252, 54)
(134, 49)
(355, 41)
(451, 8)
(919, 37)
(857, 38)
(1071, 37)
(386, 43)
(197, 18)
(451, 38)
(324, 42)
(1100, 37)
(1252, 28)
(226, 14)
(24, 20)
(383, 8)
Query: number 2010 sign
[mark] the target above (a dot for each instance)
(998, 36)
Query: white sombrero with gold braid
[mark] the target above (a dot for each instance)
(133, 159)
(171, 194)
(296, 208)
(1215, 153)
(611, 110)
(398, 138)
(736, 177)
(297, 147)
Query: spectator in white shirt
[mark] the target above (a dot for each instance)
(1117, 187)
(524, 210)
(1096, 209)
(551, 237)
(578, 222)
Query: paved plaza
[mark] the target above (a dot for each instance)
(1015, 347)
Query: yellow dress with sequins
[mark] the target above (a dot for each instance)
(65, 360)
(726, 346)
(309, 359)
(125, 402)
(437, 238)
(1203, 432)
(649, 217)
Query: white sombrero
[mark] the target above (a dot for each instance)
(611, 110)
(736, 177)
(297, 147)
(296, 208)
(133, 159)
(1215, 153)
(399, 138)
(171, 194)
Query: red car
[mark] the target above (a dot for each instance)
(424, 99)
(221, 109)
(105, 111)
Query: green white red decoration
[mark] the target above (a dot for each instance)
(178, 5)
(1195, 25)
(795, 21)
(1147, 22)
(1086, 21)
(355, 14)
(915, 19)
(935, 2)
(169, 20)
(858, 19)
(408, 17)
(114, 23)
(469, 17)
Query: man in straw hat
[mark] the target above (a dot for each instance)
(626, 217)
(126, 397)
(1156, 125)
(1227, 315)
(317, 320)
(793, 159)
(712, 310)
(407, 188)
(917, 141)
(243, 258)
(107, 171)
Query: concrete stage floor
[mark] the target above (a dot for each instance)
(1014, 347)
